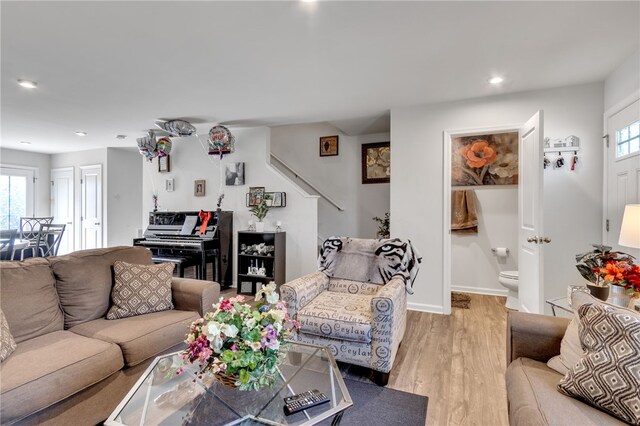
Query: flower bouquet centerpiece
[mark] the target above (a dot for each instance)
(238, 345)
(605, 269)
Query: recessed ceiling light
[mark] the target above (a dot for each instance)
(25, 142)
(28, 84)
(496, 80)
(121, 136)
(81, 133)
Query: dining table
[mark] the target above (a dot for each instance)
(18, 244)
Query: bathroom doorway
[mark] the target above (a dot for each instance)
(488, 215)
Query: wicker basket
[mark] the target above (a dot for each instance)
(227, 379)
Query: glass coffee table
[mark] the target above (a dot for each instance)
(162, 397)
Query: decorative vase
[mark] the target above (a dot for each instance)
(259, 226)
(618, 296)
(599, 292)
(226, 379)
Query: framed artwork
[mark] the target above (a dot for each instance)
(234, 174)
(164, 164)
(328, 146)
(376, 162)
(272, 199)
(199, 188)
(490, 159)
(256, 195)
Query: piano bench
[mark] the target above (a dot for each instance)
(180, 262)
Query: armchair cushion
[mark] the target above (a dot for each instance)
(340, 285)
(338, 316)
(299, 292)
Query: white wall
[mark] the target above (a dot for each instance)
(42, 165)
(76, 160)
(124, 195)
(497, 227)
(623, 81)
(339, 177)
(189, 162)
(573, 209)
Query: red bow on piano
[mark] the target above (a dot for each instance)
(205, 217)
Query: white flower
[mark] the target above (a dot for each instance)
(250, 323)
(212, 330)
(273, 298)
(216, 344)
(277, 315)
(229, 330)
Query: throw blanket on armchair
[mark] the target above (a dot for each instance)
(373, 261)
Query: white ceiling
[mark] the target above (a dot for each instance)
(111, 68)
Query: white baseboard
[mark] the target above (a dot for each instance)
(423, 307)
(480, 290)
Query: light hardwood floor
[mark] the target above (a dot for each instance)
(457, 360)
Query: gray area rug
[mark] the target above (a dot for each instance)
(374, 405)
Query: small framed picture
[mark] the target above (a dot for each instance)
(328, 146)
(234, 174)
(164, 164)
(376, 162)
(199, 189)
(256, 195)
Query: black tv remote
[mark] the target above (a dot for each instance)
(304, 400)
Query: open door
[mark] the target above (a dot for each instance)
(530, 216)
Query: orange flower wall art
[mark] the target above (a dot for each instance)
(490, 159)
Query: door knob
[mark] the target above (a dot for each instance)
(546, 240)
(533, 240)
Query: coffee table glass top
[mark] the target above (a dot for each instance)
(162, 397)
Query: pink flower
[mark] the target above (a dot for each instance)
(238, 299)
(296, 324)
(226, 305)
(234, 348)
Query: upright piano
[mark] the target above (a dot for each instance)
(178, 234)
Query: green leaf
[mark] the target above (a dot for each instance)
(244, 376)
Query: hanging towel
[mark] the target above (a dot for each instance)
(464, 218)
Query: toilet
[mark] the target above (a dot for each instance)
(509, 280)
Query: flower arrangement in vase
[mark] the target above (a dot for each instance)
(602, 267)
(241, 346)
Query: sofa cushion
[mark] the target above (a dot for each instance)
(7, 344)
(140, 289)
(28, 298)
(340, 285)
(534, 400)
(141, 337)
(84, 280)
(49, 368)
(340, 316)
(608, 375)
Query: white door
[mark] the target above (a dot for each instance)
(530, 215)
(623, 171)
(91, 207)
(62, 196)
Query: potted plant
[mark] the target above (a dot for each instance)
(384, 226)
(239, 346)
(260, 212)
(593, 267)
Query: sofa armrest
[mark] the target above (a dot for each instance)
(389, 315)
(534, 336)
(299, 292)
(194, 295)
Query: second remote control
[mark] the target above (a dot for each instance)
(303, 401)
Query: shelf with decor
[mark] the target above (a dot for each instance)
(261, 259)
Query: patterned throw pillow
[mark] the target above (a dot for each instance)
(7, 344)
(608, 374)
(140, 289)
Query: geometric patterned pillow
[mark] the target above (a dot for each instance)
(7, 344)
(140, 289)
(608, 374)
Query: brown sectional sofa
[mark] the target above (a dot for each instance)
(71, 365)
(531, 386)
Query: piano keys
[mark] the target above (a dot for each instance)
(177, 234)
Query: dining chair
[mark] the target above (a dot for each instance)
(49, 237)
(29, 230)
(7, 239)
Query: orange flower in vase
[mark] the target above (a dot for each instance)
(613, 272)
(479, 154)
